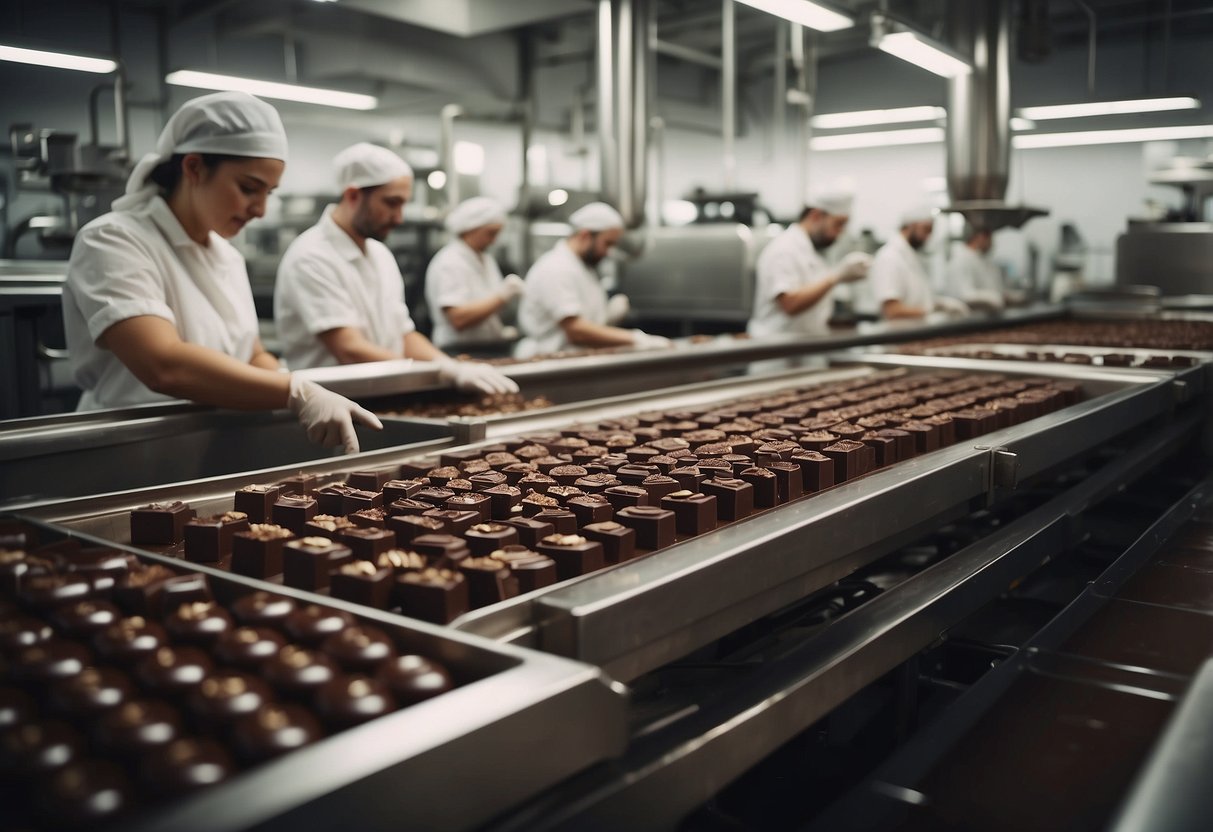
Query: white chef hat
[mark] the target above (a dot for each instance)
(833, 202)
(475, 213)
(597, 216)
(922, 212)
(230, 123)
(365, 165)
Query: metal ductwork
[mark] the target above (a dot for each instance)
(624, 99)
(979, 117)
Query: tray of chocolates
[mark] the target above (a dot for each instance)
(140, 692)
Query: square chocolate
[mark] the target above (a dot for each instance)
(574, 555)
(530, 569)
(766, 486)
(561, 519)
(924, 436)
(432, 594)
(456, 521)
(515, 471)
(308, 562)
(414, 469)
(407, 505)
(734, 497)
(502, 499)
(326, 525)
(597, 483)
(478, 503)
(368, 480)
(536, 482)
(590, 508)
(257, 501)
(489, 581)
(623, 496)
(401, 560)
(434, 496)
(534, 502)
(301, 484)
(904, 441)
(851, 459)
(816, 470)
(394, 490)
(488, 479)
(567, 474)
(618, 541)
(357, 500)
(635, 474)
(209, 539)
(658, 486)
(689, 477)
(408, 526)
(368, 543)
(441, 549)
(443, 474)
(330, 499)
(160, 524)
(369, 518)
(292, 511)
(530, 530)
(693, 513)
(654, 526)
(363, 582)
(257, 551)
(485, 538)
(788, 481)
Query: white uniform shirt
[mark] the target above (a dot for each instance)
(789, 263)
(127, 264)
(326, 282)
(459, 275)
(898, 273)
(560, 285)
(972, 277)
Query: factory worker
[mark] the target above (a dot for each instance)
(971, 276)
(463, 286)
(793, 292)
(157, 304)
(339, 297)
(899, 276)
(563, 303)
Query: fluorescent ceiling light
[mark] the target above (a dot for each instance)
(436, 180)
(879, 138)
(915, 49)
(272, 89)
(1089, 137)
(867, 118)
(59, 60)
(1018, 123)
(558, 197)
(1110, 108)
(805, 12)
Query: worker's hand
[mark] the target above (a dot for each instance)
(475, 377)
(987, 299)
(328, 417)
(952, 306)
(617, 309)
(644, 341)
(854, 267)
(511, 287)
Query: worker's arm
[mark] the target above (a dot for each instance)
(894, 309)
(586, 333)
(420, 348)
(262, 357)
(152, 350)
(806, 297)
(349, 346)
(470, 314)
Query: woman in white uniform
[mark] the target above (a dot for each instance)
(157, 304)
(463, 284)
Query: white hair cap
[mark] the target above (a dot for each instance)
(597, 216)
(228, 123)
(475, 213)
(917, 213)
(365, 165)
(836, 203)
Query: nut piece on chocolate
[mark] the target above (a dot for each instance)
(617, 540)
(574, 554)
(432, 594)
(160, 524)
(209, 539)
(308, 562)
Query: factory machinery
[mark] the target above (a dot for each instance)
(1007, 630)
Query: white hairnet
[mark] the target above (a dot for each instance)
(917, 213)
(366, 165)
(836, 203)
(474, 213)
(230, 123)
(597, 216)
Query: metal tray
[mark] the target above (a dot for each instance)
(519, 722)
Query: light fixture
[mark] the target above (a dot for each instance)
(272, 89)
(1021, 124)
(899, 40)
(469, 158)
(558, 197)
(867, 118)
(436, 180)
(1110, 108)
(59, 60)
(815, 15)
(878, 138)
(1130, 135)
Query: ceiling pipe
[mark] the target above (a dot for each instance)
(625, 31)
(728, 91)
(1091, 23)
(979, 103)
(449, 113)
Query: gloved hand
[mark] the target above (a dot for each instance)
(854, 267)
(952, 306)
(475, 377)
(987, 299)
(511, 287)
(617, 309)
(328, 417)
(644, 341)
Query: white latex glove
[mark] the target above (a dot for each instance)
(987, 299)
(642, 340)
(854, 267)
(511, 287)
(475, 377)
(328, 417)
(952, 306)
(617, 309)
(510, 333)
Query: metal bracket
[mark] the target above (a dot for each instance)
(1003, 469)
(466, 431)
(1183, 391)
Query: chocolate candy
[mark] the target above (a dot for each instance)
(432, 594)
(434, 496)
(16, 566)
(734, 497)
(46, 591)
(16, 708)
(623, 496)
(173, 671)
(394, 490)
(635, 474)
(293, 511)
(301, 484)
(406, 506)
(617, 540)
(765, 485)
(693, 513)
(456, 521)
(851, 459)
(442, 475)
(172, 592)
(484, 538)
(85, 618)
(788, 480)
(535, 502)
(883, 447)
(248, 647)
(160, 524)
(654, 526)
(91, 691)
(368, 480)
(368, 543)
(530, 569)
(275, 730)
(597, 483)
(330, 499)
(562, 520)
(199, 622)
(400, 560)
(530, 530)
(689, 478)
(20, 631)
(489, 479)
(362, 582)
(409, 526)
(130, 640)
(37, 748)
(355, 499)
(262, 609)
(49, 661)
(441, 547)
(353, 701)
(464, 503)
(658, 486)
(489, 580)
(359, 648)
(574, 555)
(299, 672)
(816, 470)
(591, 508)
(184, 766)
(327, 525)
(308, 562)
(314, 623)
(369, 518)
(413, 679)
(257, 501)
(257, 552)
(138, 726)
(816, 440)
(226, 696)
(567, 474)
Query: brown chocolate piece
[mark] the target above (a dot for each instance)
(293, 511)
(489, 581)
(46, 591)
(301, 484)
(257, 551)
(49, 661)
(502, 499)
(352, 701)
(484, 538)
(209, 539)
(436, 497)
(198, 622)
(530, 530)
(436, 595)
(463, 503)
(260, 608)
(257, 501)
(91, 692)
(443, 474)
(924, 436)
(138, 726)
(368, 480)
(658, 486)
(623, 496)
(488, 479)
(590, 508)
(298, 672)
(654, 526)
(574, 555)
(597, 483)
(414, 679)
(790, 484)
(367, 544)
(308, 562)
(358, 500)
(529, 568)
(407, 505)
(227, 696)
(275, 730)
(561, 519)
(359, 649)
(326, 525)
(184, 766)
(174, 671)
(851, 459)
(160, 524)
(765, 484)
(456, 521)
(816, 470)
(441, 549)
(689, 478)
(314, 623)
(394, 490)
(401, 560)
(248, 647)
(904, 441)
(369, 518)
(515, 471)
(330, 499)
(693, 513)
(617, 540)
(536, 482)
(409, 526)
(128, 641)
(362, 582)
(83, 619)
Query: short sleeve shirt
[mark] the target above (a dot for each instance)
(560, 285)
(459, 275)
(788, 263)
